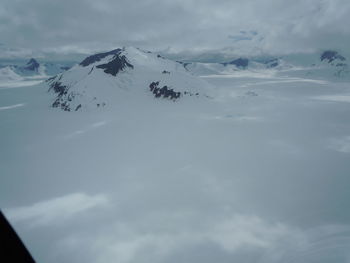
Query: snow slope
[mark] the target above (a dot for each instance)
(7, 75)
(259, 173)
(102, 80)
(34, 68)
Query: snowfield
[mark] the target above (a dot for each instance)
(253, 169)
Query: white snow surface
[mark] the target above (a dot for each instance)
(8, 75)
(257, 173)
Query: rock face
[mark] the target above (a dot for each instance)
(104, 79)
(272, 63)
(34, 68)
(97, 57)
(240, 63)
(32, 65)
(63, 98)
(334, 59)
(330, 56)
(164, 92)
(118, 63)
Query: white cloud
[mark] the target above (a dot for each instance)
(340, 144)
(12, 106)
(125, 242)
(250, 231)
(279, 26)
(334, 98)
(55, 210)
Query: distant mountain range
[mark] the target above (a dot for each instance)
(17, 70)
(99, 79)
(325, 64)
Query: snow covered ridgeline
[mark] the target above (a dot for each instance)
(320, 65)
(33, 68)
(104, 79)
(7, 74)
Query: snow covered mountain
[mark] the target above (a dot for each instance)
(33, 67)
(325, 65)
(7, 75)
(335, 60)
(102, 79)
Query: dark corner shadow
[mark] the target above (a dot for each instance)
(12, 248)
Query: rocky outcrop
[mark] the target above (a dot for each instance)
(63, 98)
(272, 63)
(330, 56)
(118, 63)
(97, 57)
(168, 93)
(32, 65)
(240, 63)
(164, 92)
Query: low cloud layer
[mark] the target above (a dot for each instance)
(55, 210)
(79, 234)
(272, 26)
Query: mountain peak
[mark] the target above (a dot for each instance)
(97, 57)
(106, 79)
(240, 63)
(32, 64)
(331, 55)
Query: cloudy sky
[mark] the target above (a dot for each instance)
(239, 26)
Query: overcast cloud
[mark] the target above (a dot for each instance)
(269, 26)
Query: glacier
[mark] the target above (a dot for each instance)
(255, 168)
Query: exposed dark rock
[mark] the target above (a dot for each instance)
(63, 98)
(191, 94)
(184, 64)
(58, 88)
(341, 65)
(60, 103)
(164, 92)
(32, 65)
(153, 85)
(145, 51)
(50, 79)
(64, 68)
(97, 57)
(78, 107)
(271, 63)
(330, 56)
(165, 72)
(118, 63)
(240, 63)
